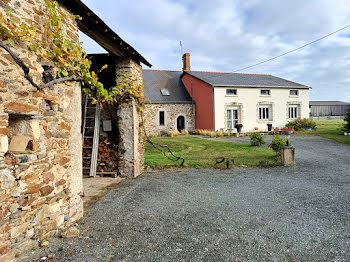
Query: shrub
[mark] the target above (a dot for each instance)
(227, 133)
(212, 133)
(277, 144)
(151, 135)
(302, 123)
(256, 139)
(174, 133)
(347, 122)
(219, 133)
(184, 132)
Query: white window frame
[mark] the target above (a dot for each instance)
(294, 90)
(236, 92)
(233, 121)
(268, 92)
(265, 113)
(293, 111)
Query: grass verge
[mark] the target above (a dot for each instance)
(331, 129)
(202, 153)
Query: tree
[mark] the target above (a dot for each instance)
(347, 122)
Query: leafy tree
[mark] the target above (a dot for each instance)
(347, 122)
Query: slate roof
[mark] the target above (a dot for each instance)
(328, 103)
(244, 80)
(156, 80)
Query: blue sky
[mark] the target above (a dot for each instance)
(225, 35)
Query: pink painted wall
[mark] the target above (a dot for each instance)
(202, 94)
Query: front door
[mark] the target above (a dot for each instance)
(180, 123)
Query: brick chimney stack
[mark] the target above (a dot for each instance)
(186, 62)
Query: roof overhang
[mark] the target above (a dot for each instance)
(170, 102)
(98, 30)
(260, 86)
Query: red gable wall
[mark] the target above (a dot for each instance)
(202, 94)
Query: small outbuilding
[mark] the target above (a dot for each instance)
(328, 109)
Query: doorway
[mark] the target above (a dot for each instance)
(181, 123)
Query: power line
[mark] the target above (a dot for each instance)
(310, 43)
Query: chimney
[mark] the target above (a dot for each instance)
(186, 62)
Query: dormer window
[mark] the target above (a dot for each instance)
(165, 92)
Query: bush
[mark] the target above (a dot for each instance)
(302, 123)
(219, 133)
(277, 144)
(256, 139)
(347, 122)
(227, 133)
(184, 132)
(174, 133)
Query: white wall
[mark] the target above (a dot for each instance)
(248, 100)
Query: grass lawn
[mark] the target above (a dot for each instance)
(331, 129)
(202, 153)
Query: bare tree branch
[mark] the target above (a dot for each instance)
(158, 147)
(25, 69)
(59, 80)
(21, 64)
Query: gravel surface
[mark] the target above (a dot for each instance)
(299, 213)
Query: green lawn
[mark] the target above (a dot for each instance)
(202, 153)
(331, 129)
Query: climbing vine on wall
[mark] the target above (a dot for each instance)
(52, 44)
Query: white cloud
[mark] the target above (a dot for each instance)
(226, 35)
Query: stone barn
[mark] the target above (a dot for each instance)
(168, 105)
(41, 130)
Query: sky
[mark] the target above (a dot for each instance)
(226, 35)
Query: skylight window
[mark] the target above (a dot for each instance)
(165, 92)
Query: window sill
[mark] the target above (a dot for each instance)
(231, 95)
(294, 96)
(265, 121)
(264, 95)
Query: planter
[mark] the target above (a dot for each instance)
(269, 127)
(239, 129)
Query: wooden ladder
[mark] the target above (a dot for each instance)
(91, 132)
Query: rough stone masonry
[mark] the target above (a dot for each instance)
(40, 187)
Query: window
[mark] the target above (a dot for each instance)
(165, 92)
(294, 92)
(161, 118)
(293, 112)
(265, 113)
(231, 92)
(232, 118)
(265, 92)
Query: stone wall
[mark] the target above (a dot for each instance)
(40, 187)
(172, 112)
(131, 145)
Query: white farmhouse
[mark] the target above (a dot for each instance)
(223, 101)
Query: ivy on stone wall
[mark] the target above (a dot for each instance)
(53, 45)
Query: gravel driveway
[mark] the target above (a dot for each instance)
(299, 213)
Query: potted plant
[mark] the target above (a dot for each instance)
(269, 127)
(239, 127)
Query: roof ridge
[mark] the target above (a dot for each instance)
(161, 70)
(195, 71)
